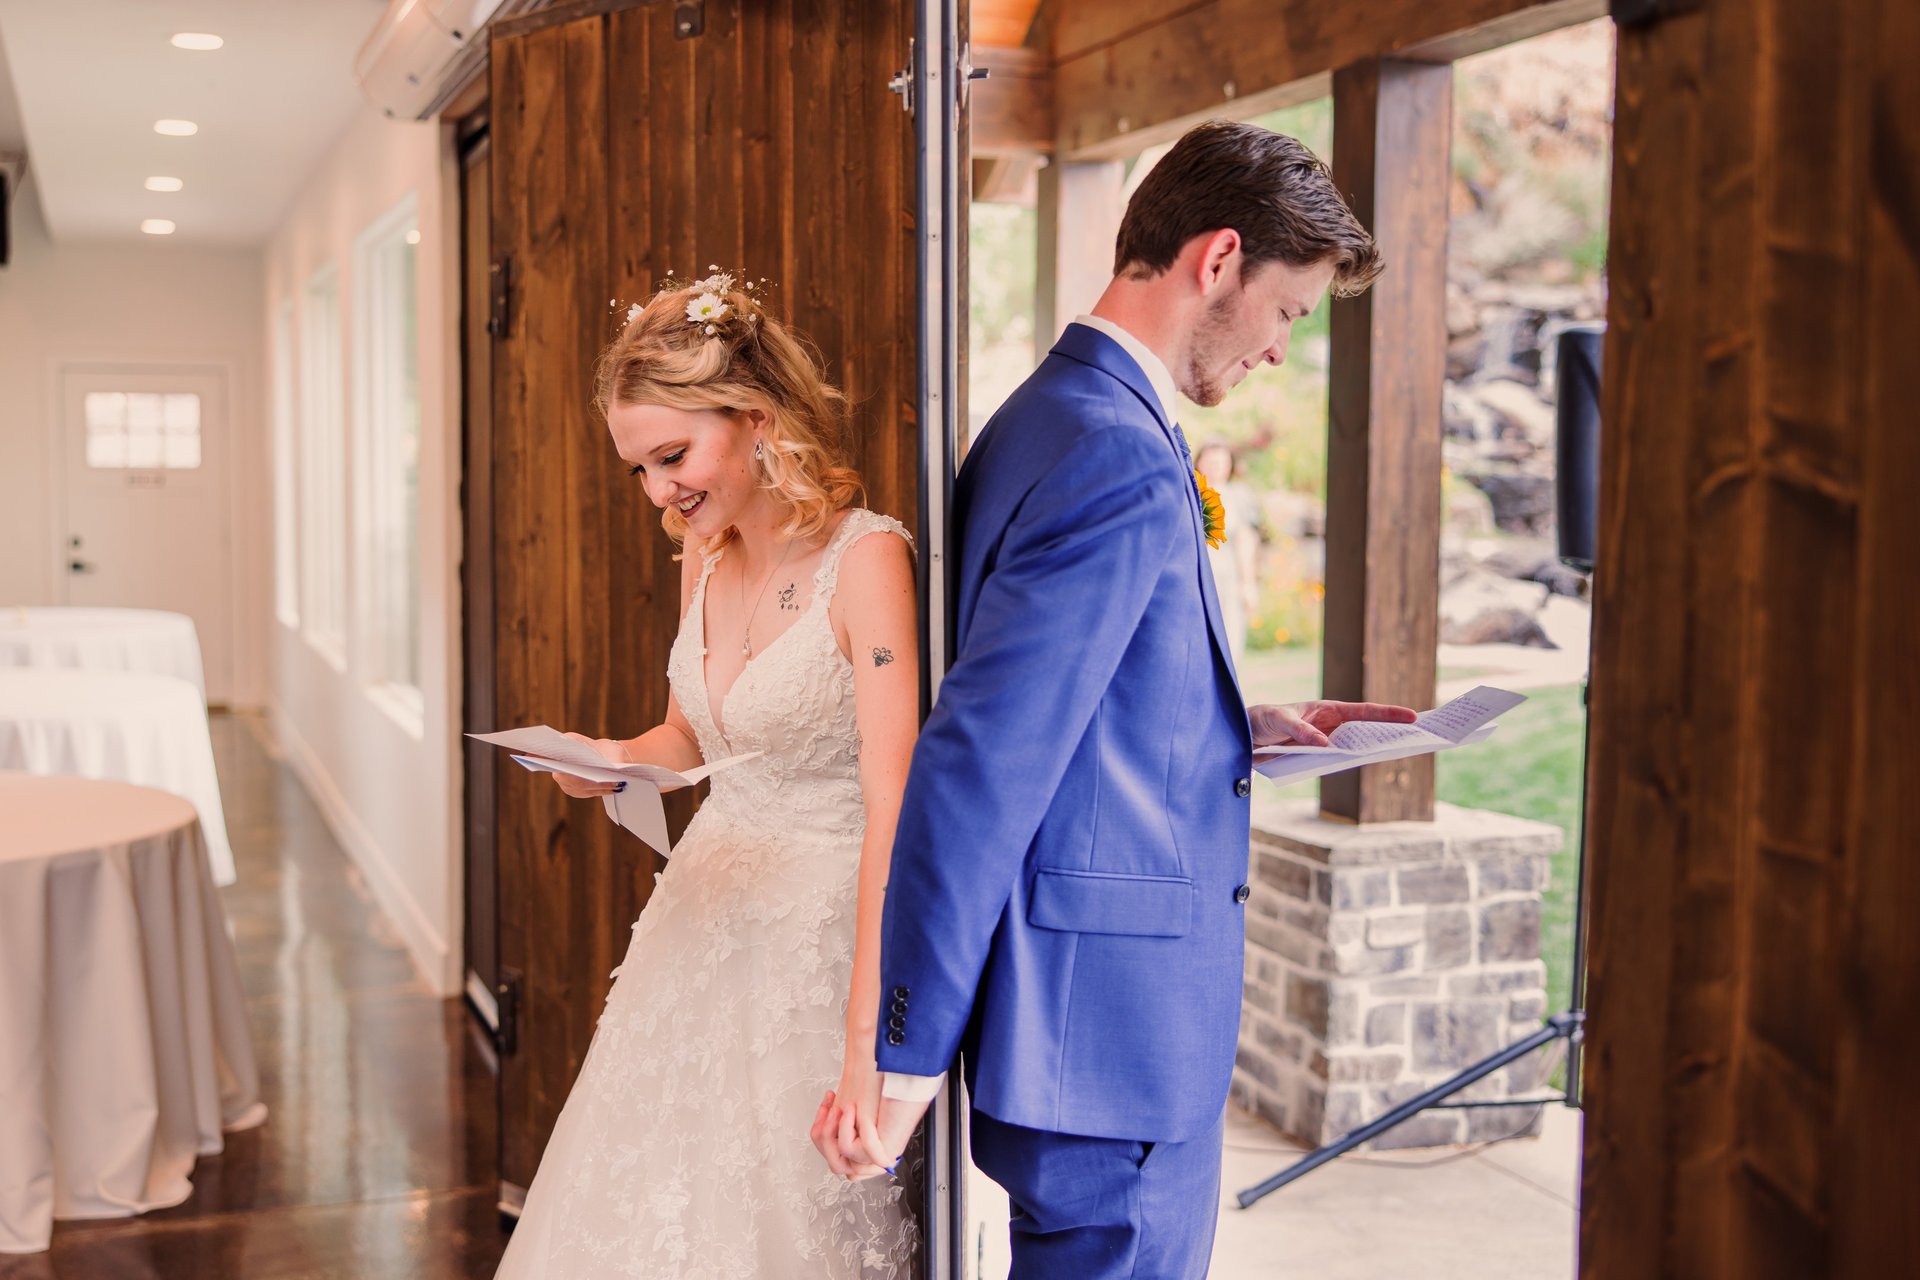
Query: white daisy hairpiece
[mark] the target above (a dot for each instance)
(717, 297)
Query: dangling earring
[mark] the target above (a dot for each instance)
(759, 450)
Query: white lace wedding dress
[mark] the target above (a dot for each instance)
(683, 1150)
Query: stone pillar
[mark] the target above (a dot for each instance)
(1381, 959)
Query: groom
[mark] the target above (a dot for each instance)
(1066, 899)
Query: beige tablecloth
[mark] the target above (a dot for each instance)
(150, 640)
(124, 1050)
(122, 726)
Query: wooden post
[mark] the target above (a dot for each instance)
(1080, 208)
(1392, 132)
(1752, 814)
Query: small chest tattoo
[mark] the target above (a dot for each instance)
(787, 604)
(881, 657)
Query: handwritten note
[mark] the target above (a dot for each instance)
(1466, 720)
(543, 749)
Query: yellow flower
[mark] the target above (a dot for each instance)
(1214, 510)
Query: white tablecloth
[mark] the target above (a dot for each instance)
(118, 725)
(124, 1051)
(103, 640)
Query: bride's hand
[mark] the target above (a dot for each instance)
(583, 788)
(846, 1130)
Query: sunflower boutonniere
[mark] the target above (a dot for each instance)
(1212, 510)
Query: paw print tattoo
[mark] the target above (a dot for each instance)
(881, 657)
(786, 598)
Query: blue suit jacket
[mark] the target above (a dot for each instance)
(1064, 904)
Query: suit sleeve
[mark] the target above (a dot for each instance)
(1075, 572)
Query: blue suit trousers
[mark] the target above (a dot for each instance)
(1104, 1208)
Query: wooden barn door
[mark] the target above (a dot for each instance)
(624, 148)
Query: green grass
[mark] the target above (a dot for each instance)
(1531, 769)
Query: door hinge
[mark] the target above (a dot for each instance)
(499, 293)
(1646, 13)
(902, 82)
(506, 994)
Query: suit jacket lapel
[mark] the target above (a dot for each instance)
(1091, 347)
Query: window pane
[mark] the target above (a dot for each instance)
(144, 449)
(145, 411)
(182, 413)
(182, 453)
(106, 411)
(106, 450)
(387, 348)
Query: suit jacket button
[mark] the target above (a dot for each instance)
(899, 1006)
(1243, 787)
(1243, 893)
(894, 1037)
(897, 1023)
(899, 993)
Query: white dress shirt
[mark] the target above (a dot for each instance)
(896, 1084)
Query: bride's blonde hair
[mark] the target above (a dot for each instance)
(741, 359)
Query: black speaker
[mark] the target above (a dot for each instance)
(1577, 444)
(6, 218)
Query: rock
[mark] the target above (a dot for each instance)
(1518, 409)
(1534, 561)
(1465, 355)
(1548, 299)
(1463, 313)
(1483, 608)
(1522, 503)
(1464, 416)
(1498, 626)
(1469, 511)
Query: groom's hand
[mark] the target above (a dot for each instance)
(896, 1123)
(898, 1120)
(1307, 724)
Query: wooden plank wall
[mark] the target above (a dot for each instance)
(1755, 818)
(769, 144)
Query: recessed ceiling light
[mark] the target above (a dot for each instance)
(164, 184)
(176, 128)
(197, 40)
(157, 227)
(413, 236)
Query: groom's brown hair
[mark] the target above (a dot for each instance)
(1268, 187)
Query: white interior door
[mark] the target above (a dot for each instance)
(147, 513)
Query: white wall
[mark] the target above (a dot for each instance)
(390, 791)
(125, 304)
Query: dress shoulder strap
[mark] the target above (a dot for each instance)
(858, 523)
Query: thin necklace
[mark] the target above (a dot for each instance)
(746, 643)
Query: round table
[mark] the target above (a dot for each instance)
(121, 726)
(147, 640)
(124, 1051)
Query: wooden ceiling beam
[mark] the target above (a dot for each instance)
(1002, 22)
(1012, 109)
(1007, 179)
(1130, 73)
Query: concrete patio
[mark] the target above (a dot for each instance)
(1501, 1212)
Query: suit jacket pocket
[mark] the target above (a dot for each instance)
(1103, 902)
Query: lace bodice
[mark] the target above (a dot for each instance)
(793, 703)
(682, 1152)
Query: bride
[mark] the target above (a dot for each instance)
(752, 980)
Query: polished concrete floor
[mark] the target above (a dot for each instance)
(377, 1158)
